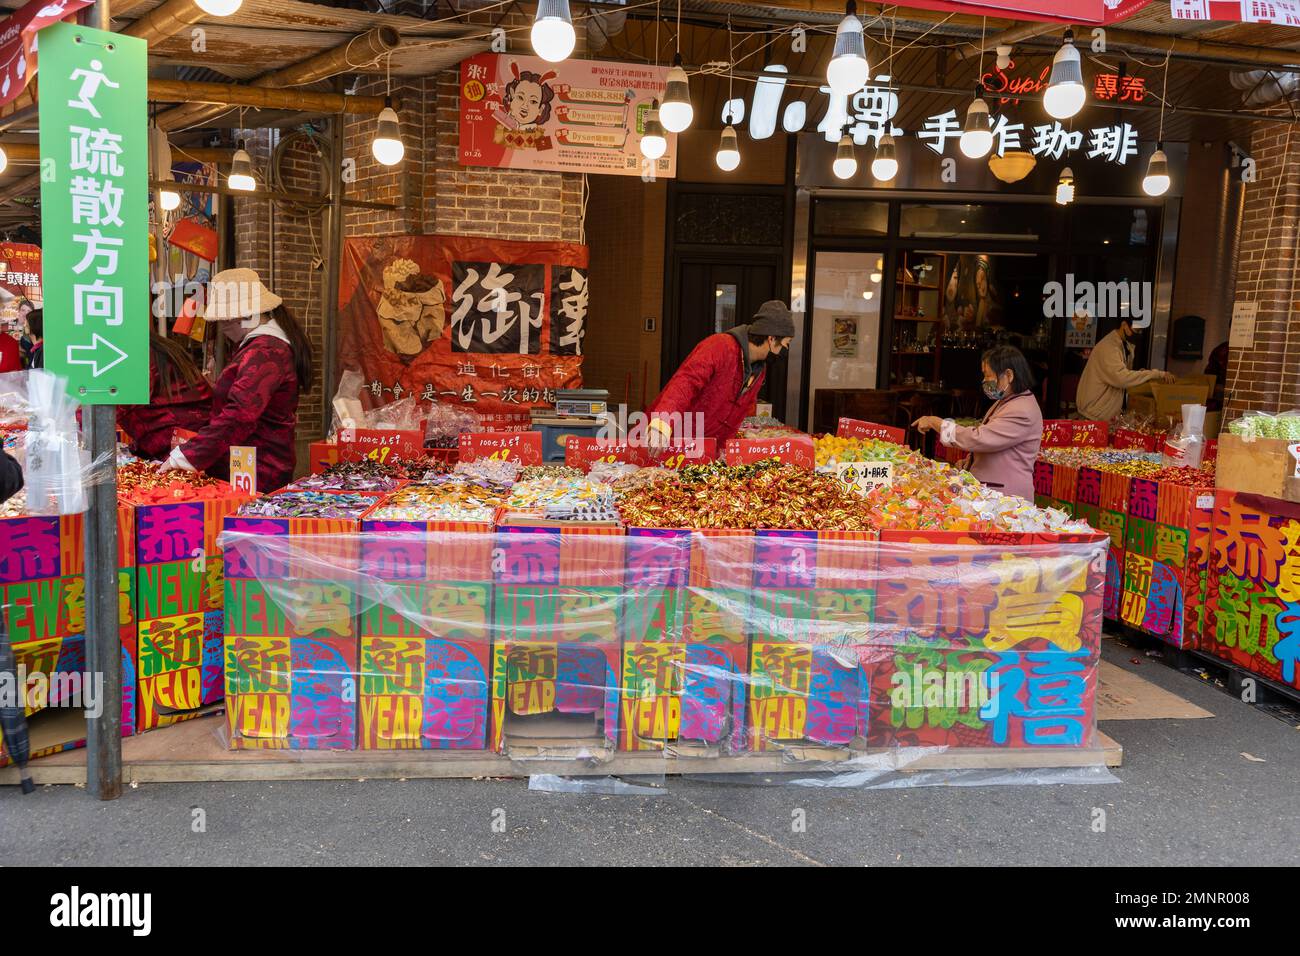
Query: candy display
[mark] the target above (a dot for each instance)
(493, 470)
(1100, 458)
(446, 423)
(363, 475)
(762, 421)
(307, 504)
(561, 497)
(141, 483)
(15, 506)
(533, 472)
(443, 498)
(832, 450)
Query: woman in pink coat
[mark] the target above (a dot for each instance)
(1004, 445)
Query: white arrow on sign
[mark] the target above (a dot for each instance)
(93, 361)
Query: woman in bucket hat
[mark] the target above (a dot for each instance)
(255, 400)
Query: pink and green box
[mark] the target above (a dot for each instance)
(425, 640)
(181, 598)
(685, 639)
(812, 611)
(42, 591)
(555, 641)
(291, 633)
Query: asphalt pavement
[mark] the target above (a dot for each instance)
(1215, 791)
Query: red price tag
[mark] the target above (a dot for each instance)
(1090, 434)
(791, 451)
(1057, 432)
(582, 452)
(523, 447)
(379, 444)
(856, 428)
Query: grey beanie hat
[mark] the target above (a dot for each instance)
(773, 318)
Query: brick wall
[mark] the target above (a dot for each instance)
(1266, 376)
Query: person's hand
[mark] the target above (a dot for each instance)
(928, 423)
(656, 437)
(176, 461)
(1168, 378)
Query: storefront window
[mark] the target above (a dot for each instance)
(1120, 227)
(845, 339)
(851, 217)
(724, 307)
(974, 221)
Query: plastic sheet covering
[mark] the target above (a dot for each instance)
(57, 470)
(694, 651)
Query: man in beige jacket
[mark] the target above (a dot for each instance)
(1109, 373)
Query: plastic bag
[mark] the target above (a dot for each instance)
(1186, 445)
(348, 411)
(446, 423)
(56, 468)
(405, 414)
(1253, 425)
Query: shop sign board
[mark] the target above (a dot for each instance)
(95, 213)
(578, 116)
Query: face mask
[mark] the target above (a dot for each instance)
(992, 391)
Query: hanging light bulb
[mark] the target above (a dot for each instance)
(387, 145)
(1065, 93)
(553, 36)
(653, 141)
(1004, 57)
(977, 138)
(848, 70)
(728, 155)
(218, 8)
(241, 171)
(676, 112)
(169, 199)
(884, 166)
(1156, 181)
(4, 160)
(846, 164)
(1065, 187)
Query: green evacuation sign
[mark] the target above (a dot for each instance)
(95, 212)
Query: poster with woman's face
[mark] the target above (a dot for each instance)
(970, 298)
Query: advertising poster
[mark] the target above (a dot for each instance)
(494, 325)
(1081, 333)
(20, 284)
(844, 336)
(579, 116)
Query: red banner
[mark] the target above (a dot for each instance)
(18, 41)
(490, 324)
(380, 444)
(791, 451)
(856, 428)
(583, 452)
(523, 447)
(1276, 12)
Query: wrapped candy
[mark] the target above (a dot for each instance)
(564, 498)
(141, 483)
(363, 475)
(496, 471)
(445, 498)
(307, 504)
(832, 450)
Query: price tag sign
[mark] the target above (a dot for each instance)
(380, 444)
(862, 476)
(1058, 432)
(856, 428)
(1090, 434)
(243, 469)
(797, 450)
(523, 447)
(582, 451)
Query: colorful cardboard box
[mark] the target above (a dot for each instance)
(425, 640)
(1055, 486)
(555, 645)
(42, 591)
(995, 647)
(181, 601)
(1253, 589)
(685, 640)
(290, 643)
(811, 625)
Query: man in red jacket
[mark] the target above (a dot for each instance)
(721, 377)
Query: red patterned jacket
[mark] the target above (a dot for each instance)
(255, 402)
(150, 426)
(712, 381)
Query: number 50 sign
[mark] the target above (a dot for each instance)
(243, 469)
